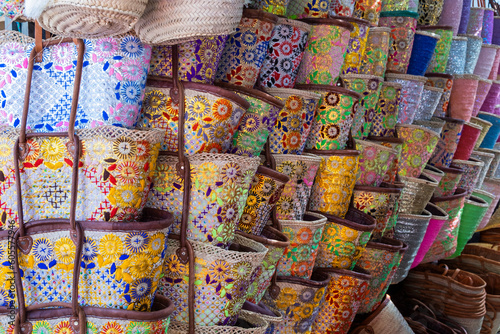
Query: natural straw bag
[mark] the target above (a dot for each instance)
(416, 193)
(260, 310)
(487, 158)
(458, 294)
(438, 219)
(386, 319)
(343, 294)
(491, 322)
(302, 170)
(178, 21)
(344, 240)
(87, 18)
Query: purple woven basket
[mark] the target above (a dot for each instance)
(464, 21)
(451, 15)
(496, 31)
(488, 22)
(491, 99)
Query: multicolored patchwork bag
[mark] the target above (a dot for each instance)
(116, 165)
(113, 81)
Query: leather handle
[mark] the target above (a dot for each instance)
(185, 253)
(73, 144)
(38, 42)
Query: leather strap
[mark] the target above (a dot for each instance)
(38, 43)
(185, 253)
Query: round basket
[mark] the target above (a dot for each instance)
(178, 21)
(416, 194)
(387, 110)
(374, 161)
(449, 182)
(458, 53)
(411, 94)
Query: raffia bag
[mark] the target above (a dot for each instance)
(87, 18)
(178, 21)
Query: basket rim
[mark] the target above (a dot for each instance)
(330, 22)
(255, 93)
(329, 88)
(366, 224)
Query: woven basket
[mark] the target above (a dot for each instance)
(174, 22)
(369, 87)
(458, 53)
(491, 322)
(474, 44)
(87, 19)
(463, 96)
(298, 302)
(295, 120)
(459, 295)
(323, 65)
(444, 81)
(272, 317)
(431, 96)
(448, 141)
(429, 12)
(246, 49)
(277, 7)
(490, 102)
(445, 243)
(334, 184)
(226, 291)
(475, 23)
(474, 210)
(489, 198)
(198, 59)
(411, 230)
(344, 240)
(494, 163)
(302, 170)
(215, 110)
(374, 60)
(468, 139)
(387, 110)
(276, 242)
(97, 319)
(451, 14)
(305, 236)
(374, 162)
(438, 219)
(381, 259)
(411, 94)
(394, 5)
(378, 202)
(385, 319)
(434, 173)
(257, 123)
(492, 186)
(435, 124)
(486, 60)
(302, 9)
(357, 44)
(487, 158)
(493, 134)
(483, 88)
(247, 324)
(345, 289)
(416, 193)
(396, 144)
(286, 49)
(334, 117)
(265, 191)
(472, 170)
(488, 22)
(424, 45)
(368, 10)
(494, 69)
(403, 25)
(485, 128)
(419, 144)
(441, 55)
(219, 191)
(342, 7)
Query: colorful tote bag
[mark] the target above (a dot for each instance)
(220, 275)
(334, 184)
(114, 76)
(286, 49)
(302, 170)
(219, 189)
(212, 116)
(246, 49)
(198, 59)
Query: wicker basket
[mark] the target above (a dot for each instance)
(88, 18)
(416, 193)
(178, 21)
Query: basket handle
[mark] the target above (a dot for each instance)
(73, 144)
(77, 321)
(185, 253)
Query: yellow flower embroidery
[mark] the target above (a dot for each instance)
(64, 249)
